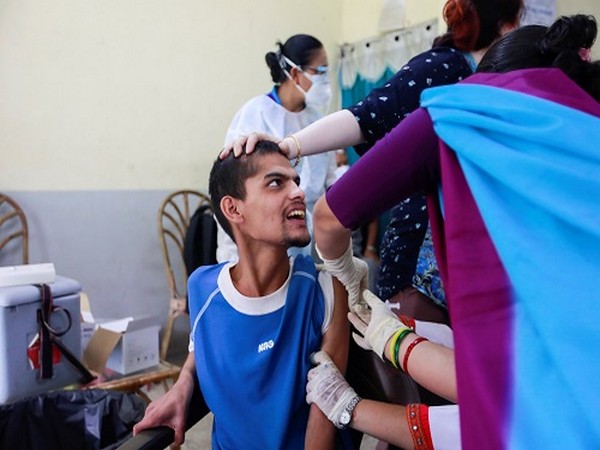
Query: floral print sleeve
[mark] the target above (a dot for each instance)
(385, 107)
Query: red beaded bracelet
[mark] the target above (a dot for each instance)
(410, 348)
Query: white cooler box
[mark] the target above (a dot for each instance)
(19, 307)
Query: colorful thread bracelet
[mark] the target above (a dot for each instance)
(410, 348)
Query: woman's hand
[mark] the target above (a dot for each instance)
(328, 389)
(374, 326)
(245, 144)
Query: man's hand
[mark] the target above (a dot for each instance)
(169, 410)
(353, 273)
(375, 326)
(328, 389)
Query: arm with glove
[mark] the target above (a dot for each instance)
(411, 426)
(334, 247)
(428, 363)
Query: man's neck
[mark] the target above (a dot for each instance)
(259, 273)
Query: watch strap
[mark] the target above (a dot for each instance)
(349, 410)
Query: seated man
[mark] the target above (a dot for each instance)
(255, 322)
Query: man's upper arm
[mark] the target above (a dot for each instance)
(337, 337)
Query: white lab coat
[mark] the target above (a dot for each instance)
(317, 172)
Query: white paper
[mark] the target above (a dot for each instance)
(27, 274)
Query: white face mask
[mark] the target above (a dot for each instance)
(319, 94)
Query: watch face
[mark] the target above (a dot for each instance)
(345, 418)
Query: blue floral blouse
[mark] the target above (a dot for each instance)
(379, 113)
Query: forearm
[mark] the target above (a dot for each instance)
(432, 366)
(331, 237)
(336, 340)
(431, 426)
(429, 364)
(171, 409)
(320, 432)
(334, 131)
(187, 374)
(384, 421)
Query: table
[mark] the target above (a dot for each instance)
(114, 381)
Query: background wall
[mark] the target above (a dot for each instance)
(106, 106)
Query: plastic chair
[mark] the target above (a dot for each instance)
(174, 217)
(13, 226)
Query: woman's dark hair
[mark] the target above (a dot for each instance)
(537, 46)
(300, 49)
(475, 24)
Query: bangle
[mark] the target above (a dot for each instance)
(408, 321)
(417, 416)
(393, 342)
(372, 248)
(410, 348)
(399, 337)
(297, 142)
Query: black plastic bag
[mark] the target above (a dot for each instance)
(87, 419)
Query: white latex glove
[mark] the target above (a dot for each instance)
(376, 326)
(327, 388)
(352, 272)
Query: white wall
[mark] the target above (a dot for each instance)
(360, 18)
(107, 94)
(106, 106)
(564, 7)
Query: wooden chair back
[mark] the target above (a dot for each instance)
(174, 217)
(13, 229)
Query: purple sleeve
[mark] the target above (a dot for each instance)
(404, 162)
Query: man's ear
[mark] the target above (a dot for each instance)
(230, 209)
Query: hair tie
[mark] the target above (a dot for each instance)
(585, 54)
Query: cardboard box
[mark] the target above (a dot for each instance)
(132, 343)
(124, 345)
(19, 306)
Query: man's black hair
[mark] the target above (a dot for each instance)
(228, 177)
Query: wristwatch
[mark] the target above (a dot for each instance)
(346, 416)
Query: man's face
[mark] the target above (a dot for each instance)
(274, 210)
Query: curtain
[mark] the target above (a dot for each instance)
(369, 63)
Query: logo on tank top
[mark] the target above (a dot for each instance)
(268, 345)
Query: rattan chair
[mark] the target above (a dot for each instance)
(13, 229)
(174, 217)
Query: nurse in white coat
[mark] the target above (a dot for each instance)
(300, 96)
